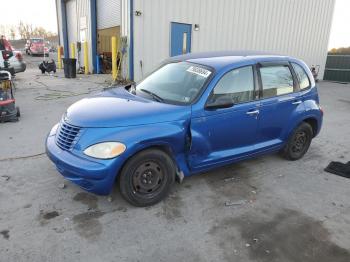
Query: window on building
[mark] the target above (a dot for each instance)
(236, 86)
(303, 79)
(276, 80)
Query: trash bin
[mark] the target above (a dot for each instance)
(69, 65)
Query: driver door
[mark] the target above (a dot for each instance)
(227, 130)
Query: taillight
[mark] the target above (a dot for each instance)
(19, 56)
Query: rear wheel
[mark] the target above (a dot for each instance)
(298, 143)
(147, 177)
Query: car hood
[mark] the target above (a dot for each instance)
(118, 108)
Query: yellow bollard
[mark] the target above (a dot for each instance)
(59, 57)
(114, 57)
(72, 48)
(86, 58)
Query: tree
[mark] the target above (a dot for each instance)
(13, 33)
(25, 30)
(341, 50)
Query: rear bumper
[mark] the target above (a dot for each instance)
(94, 176)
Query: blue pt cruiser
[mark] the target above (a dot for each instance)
(194, 113)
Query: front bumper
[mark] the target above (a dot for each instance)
(94, 176)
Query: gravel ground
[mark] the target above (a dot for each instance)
(265, 209)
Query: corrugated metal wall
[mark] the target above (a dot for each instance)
(59, 21)
(72, 24)
(295, 27)
(108, 13)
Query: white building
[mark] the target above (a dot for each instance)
(156, 29)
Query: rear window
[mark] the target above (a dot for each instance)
(276, 80)
(303, 79)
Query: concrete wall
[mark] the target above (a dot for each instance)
(294, 27)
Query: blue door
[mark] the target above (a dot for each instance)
(225, 134)
(180, 42)
(281, 105)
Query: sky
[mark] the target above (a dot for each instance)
(36, 12)
(43, 13)
(340, 32)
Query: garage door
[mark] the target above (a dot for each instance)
(72, 23)
(108, 13)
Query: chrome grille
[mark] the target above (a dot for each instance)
(67, 135)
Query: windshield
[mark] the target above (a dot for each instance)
(174, 83)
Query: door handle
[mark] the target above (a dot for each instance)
(296, 102)
(253, 112)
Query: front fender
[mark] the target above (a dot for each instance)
(171, 135)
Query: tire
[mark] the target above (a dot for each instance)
(18, 114)
(298, 142)
(146, 178)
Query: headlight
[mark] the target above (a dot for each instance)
(105, 150)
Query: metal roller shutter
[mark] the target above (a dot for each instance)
(108, 13)
(72, 25)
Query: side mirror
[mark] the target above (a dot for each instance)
(221, 102)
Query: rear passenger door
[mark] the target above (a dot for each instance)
(280, 103)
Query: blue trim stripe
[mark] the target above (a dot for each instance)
(64, 29)
(94, 34)
(131, 55)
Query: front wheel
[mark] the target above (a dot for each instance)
(298, 143)
(147, 177)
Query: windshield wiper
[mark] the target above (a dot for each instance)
(155, 96)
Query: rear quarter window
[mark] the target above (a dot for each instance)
(303, 79)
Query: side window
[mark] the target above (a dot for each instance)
(303, 79)
(276, 80)
(236, 86)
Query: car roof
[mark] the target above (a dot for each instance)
(221, 59)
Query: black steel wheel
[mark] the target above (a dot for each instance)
(298, 143)
(147, 177)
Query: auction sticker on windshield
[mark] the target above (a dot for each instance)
(199, 71)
